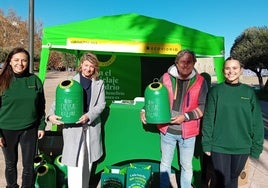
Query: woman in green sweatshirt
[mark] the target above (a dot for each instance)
(22, 116)
(232, 126)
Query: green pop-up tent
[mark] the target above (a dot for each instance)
(137, 46)
(132, 35)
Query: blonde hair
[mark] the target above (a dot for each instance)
(92, 58)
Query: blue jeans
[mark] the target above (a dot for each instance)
(186, 151)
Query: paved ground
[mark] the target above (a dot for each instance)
(257, 170)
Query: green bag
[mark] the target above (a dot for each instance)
(113, 177)
(138, 176)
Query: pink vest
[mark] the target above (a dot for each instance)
(190, 102)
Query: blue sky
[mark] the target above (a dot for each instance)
(227, 18)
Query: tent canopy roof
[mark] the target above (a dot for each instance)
(130, 33)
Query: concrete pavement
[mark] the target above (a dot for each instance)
(258, 169)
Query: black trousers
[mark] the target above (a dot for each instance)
(27, 139)
(227, 168)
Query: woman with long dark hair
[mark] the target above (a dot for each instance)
(22, 116)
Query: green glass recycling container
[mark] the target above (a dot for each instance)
(157, 107)
(69, 101)
(41, 159)
(45, 176)
(61, 171)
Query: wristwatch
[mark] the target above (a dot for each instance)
(186, 116)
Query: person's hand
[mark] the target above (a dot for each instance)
(2, 142)
(54, 119)
(83, 119)
(208, 153)
(40, 134)
(177, 119)
(143, 118)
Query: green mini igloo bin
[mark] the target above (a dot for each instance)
(69, 101)
(157, 107)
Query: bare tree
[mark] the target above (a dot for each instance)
(14, 32)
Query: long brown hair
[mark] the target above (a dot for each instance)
(7, 73)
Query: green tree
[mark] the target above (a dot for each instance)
(251, 49)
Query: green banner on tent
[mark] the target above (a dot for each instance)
(122, 77)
